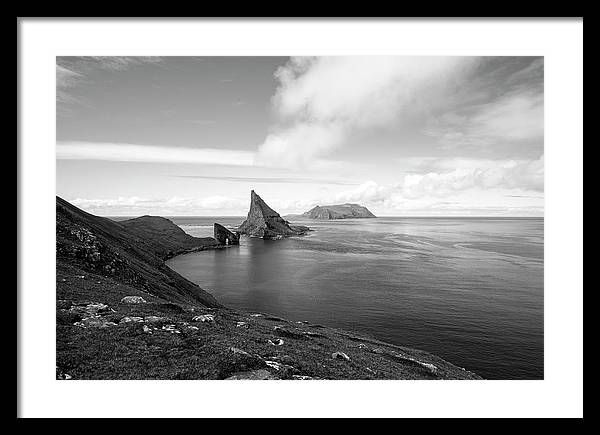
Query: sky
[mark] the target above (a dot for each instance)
(404, 136)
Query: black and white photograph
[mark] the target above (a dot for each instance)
(365, 217)
(301, 219)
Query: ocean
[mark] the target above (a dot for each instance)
(469, 290)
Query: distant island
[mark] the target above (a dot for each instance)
(336, 211)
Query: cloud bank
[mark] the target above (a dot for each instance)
(320, 101)
(486, 112)
(173, 206)
(122, 152)
(449, 186)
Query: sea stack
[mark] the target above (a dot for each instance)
(225, 237)
(266, 223)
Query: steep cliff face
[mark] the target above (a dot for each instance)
(264, 222)
(107, 248)
(225, 237)
(338, 211)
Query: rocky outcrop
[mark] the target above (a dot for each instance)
(338, 211)
(225, 237)
(266, 223)
(133, 300)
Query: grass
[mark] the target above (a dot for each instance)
(126, 351)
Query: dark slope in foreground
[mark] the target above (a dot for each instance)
(108, 248)
(175, 330)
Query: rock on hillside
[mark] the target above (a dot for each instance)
(264, 222)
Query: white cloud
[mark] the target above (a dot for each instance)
(299, 145)
(359, 90)
(135, 206)
(123, 152)
(455, 184)
(368, 192)
(320, 101)
(453, 175)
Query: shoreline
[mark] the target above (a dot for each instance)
(350, 334)
(123, 313)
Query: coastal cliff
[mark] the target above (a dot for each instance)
(338, 211)
(130, 253)
(122, 313)
(266, 223)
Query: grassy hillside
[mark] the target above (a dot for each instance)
(104, 247)
(164, 237)
(176, 330)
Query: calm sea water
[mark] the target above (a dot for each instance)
(467, 289)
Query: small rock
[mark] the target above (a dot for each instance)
(131, 320)
(133, 300)
(62, 375)
(278, 342)
(171, 328)
(147, 330)
(432, 368)
(94, 322)
(254, 375)
(340, 355)
(241, 325)
(274, 365)
(283, 359)
(204, 318)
